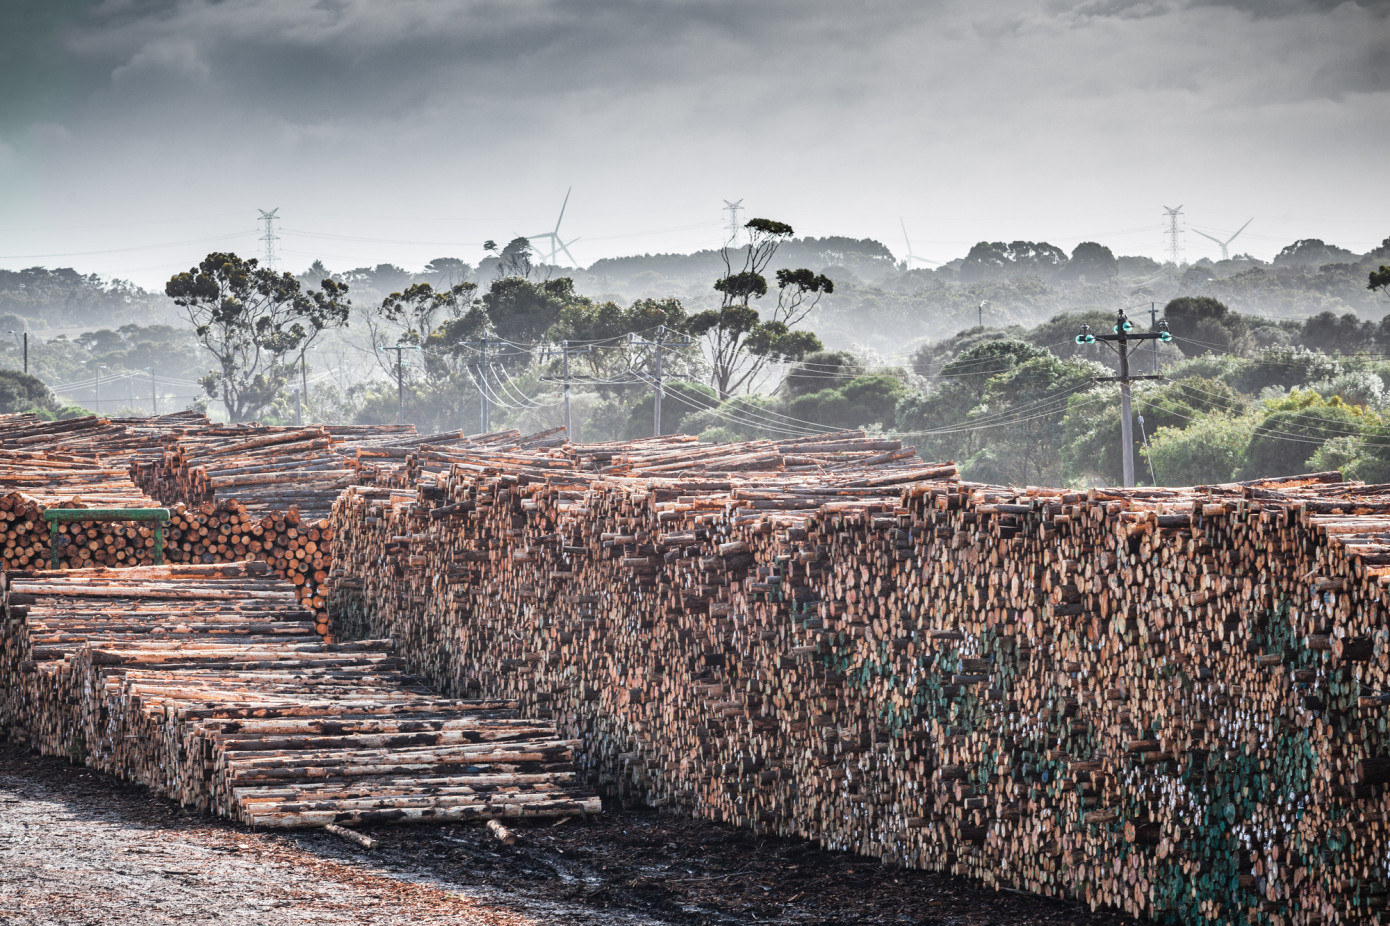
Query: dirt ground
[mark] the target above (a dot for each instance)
(77, 848)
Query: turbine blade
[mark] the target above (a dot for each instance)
(562, 209)
(905, 238)
(1241, 229)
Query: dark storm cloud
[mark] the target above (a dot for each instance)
(422, 107)
(300, 58)
(340, 62)
(1124, 9)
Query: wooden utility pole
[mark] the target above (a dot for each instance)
(1121, 339)
(400, 376)
(565, 353)
(659, 342)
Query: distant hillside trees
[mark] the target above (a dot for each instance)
(991, 260)
(20, 392)
(1201, 324)
(1092, 262)
(63, 298)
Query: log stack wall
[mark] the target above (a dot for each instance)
(1173, 703)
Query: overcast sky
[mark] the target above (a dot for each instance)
(136, 135)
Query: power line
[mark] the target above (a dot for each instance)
(732, 417)
(143, 247)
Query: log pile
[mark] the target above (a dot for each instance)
(236, 492)
(209, 685)
(210, 532)
(264, 468)
(1170, 702)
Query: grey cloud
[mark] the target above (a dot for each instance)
(1360, 70)
(1122, 9)
(892, 106)
(358, 58)
(1266, 9)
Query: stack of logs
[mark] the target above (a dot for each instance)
(235, 492)
(1171, 702)
(265, 468)
(209, 685)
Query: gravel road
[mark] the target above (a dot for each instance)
(78, 848)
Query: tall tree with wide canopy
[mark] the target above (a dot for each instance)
(256, 323)
(739, 341)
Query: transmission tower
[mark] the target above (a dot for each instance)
(268, 220)
(1174, 245)
(734, 227)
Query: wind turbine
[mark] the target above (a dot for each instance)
(910, 256)
(1225, 245)
(557, 246)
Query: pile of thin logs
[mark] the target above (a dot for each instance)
(1171, 702)
(128, 444)
(209, 685)
(34, 480)
(298, 550)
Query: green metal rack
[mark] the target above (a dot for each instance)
(56, 516)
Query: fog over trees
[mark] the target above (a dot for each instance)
(1273, 367)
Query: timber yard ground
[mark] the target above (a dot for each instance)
(79, 848)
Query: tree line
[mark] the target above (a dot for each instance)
(1246, 393)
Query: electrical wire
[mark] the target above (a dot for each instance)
(493, 399)
(989, 419)
(1313, 420)
(751, 416)
(1279, 435)
(732, 418)
(1144, 435)
(517, 393)
(776, 417)
(142, 247)
(1057, 406)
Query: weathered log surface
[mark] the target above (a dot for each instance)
(1173, 702)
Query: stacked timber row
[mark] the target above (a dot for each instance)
(265, 468)
(34, 481)
(1173, 702)
(297, 550)
(236, 492)
(209, 685)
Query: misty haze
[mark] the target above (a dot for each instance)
(845, 459)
